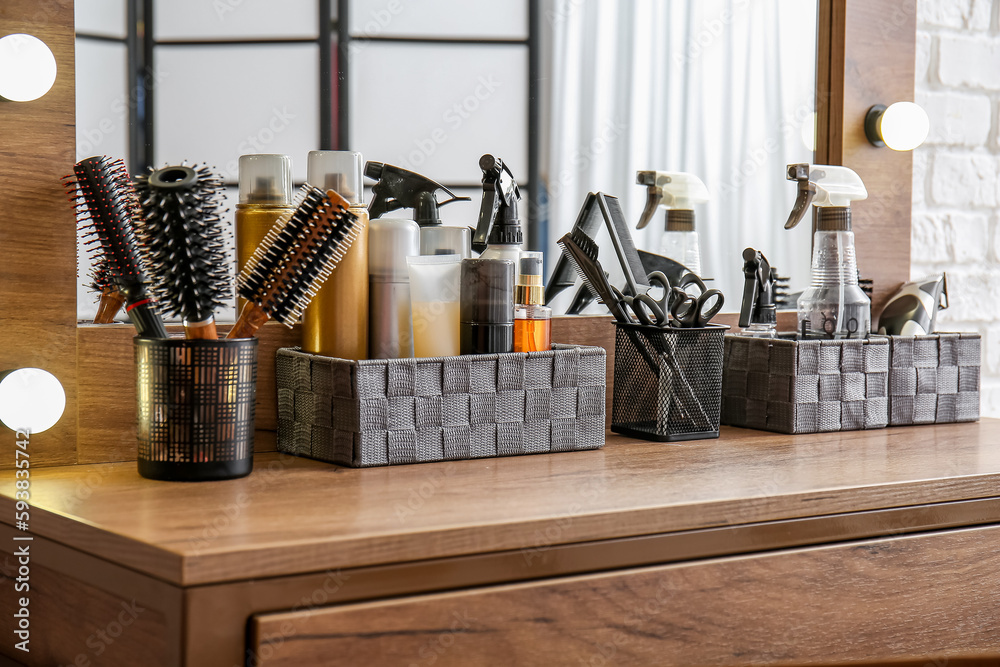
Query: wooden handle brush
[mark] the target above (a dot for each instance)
(106, 208)
(110, 300)
(294, 260)
(182, 239)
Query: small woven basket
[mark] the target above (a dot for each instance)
(378, 412)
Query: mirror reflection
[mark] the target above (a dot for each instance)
(578, 95)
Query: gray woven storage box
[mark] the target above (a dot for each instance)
(805, 386)
(379, 412)
(934, 379)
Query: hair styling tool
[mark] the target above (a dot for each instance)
(758, 314)
(106, 206)
(110, 300)
(912, 311)
(294, 259)
(582, 252)
(498, 232)
(400, 188)
(183, 243)
(651, 263)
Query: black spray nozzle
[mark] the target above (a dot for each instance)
(758, 290)
(806, 192)
(400, 188)
(498, 220)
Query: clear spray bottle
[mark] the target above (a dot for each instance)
(677, 192)
(834, 306)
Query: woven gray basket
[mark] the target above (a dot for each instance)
(805, 386)
(380, 412)
(934, 379)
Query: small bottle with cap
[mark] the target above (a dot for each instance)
(265, 196)
(390, 326)
(532, 320)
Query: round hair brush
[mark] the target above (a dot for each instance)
(106, 207)
(183, 244)
(110, 300)
(294, 259)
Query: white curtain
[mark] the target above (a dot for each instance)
(718, 88)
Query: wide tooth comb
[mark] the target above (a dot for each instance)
(582, 252)
(295, 258)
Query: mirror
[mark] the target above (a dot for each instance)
(723, 89)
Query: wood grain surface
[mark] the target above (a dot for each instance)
(37, 228)
(866, 57)
(889, 599)
(296, 515)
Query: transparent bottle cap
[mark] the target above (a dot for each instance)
(390, 242)
(340, 171)
(266, 178)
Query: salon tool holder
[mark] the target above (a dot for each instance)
(667, 382)
(378, 412)
(195, 400)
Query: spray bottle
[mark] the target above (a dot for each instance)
(498, 234)
(336, 322)
(677, 192)
(834, 306)
(759, 315)
(399, 188)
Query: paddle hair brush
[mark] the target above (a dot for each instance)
(106, 207)
(182, 240)
(294, 260)
(110, 300)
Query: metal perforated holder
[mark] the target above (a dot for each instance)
(378, 412)
(668, 382)
(195, 400)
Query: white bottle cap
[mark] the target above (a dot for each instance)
(340, 171)
(390, 242)
(266, 178)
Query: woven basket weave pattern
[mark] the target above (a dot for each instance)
(386, 412)
(934, 379)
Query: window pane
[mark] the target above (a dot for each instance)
(101, 17)
(440, 18)
(235, 19)
(466, 101)
(216, 103)
(101, 99)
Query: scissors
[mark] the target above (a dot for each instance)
(687, 310)
(650, 311)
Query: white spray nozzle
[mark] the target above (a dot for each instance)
(823, 185)
(671, 189)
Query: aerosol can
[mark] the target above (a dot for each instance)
(834, 306)
(677, 192)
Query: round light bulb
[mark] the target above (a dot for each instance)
(31, 399)
(27, 68)
(904, 126)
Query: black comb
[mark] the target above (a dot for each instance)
(294, 259)
(106, 207)
(184, 244)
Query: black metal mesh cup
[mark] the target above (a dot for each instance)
(196, 403)
(667, 382)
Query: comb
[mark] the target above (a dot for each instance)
(294, 259)
(184, 244)
(106, 206)
(582, 252)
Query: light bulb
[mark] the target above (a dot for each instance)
(27, 68)
(31, 399)
(902, 126)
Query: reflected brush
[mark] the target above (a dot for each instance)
(294, 259)
(110, 300)
(183, 244)
(106, 208)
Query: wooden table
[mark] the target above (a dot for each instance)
(754, 548)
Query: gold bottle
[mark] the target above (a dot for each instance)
(336, 322)
(265, 196)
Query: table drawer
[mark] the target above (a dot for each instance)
(933, 595)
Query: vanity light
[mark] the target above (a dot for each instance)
(31, 400)
(901, 126)
(27, 68)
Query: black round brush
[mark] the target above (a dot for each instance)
(110, 300)
(294, 259)
(183, 242)
(106, 207)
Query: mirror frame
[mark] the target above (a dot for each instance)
(865, 56)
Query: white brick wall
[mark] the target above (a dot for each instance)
(956, 173)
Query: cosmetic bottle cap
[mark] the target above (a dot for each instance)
(390, 242)
(340, 171)
(487, 291)
(266, 178)
(530, 291)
